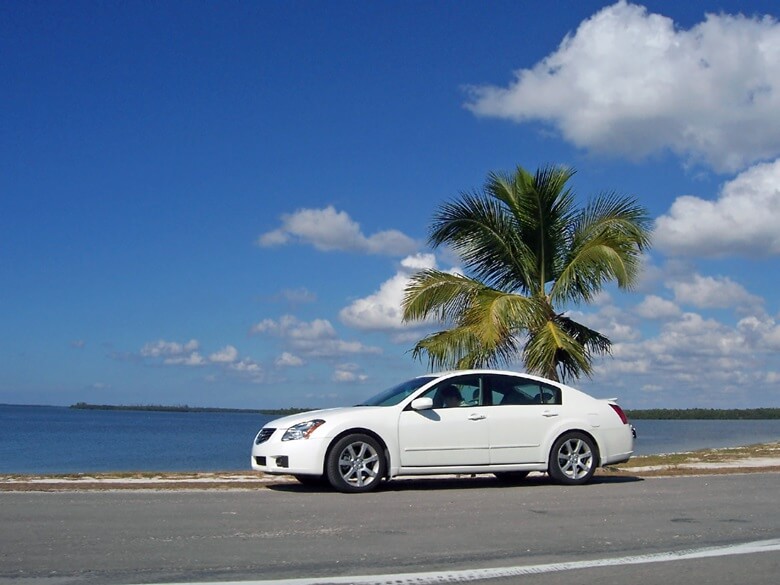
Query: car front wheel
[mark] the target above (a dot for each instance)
(355, 464)
(573, 459)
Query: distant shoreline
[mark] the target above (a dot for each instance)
(186, 408)
(704, 414)
(640, 414)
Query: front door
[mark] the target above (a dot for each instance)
(453, 433)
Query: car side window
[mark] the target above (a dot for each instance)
(549, 394)
(507, 390)
(457, 392)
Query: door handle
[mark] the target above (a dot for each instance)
(476, 417)
(549, 414)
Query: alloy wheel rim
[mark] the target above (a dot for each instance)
(359, 464)
(575, 458)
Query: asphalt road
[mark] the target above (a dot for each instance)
(410, 526)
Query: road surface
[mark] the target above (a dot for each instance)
(410, 526)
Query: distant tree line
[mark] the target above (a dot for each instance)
(704, 414)
(185, 408)
(653, 413)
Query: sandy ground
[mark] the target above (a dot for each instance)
(763, 458)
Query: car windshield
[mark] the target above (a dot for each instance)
(396, 394)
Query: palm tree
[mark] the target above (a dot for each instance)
(529, 251)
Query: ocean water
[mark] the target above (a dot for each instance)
(50, 439)
(676, 436)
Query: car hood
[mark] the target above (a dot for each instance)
(327, 414)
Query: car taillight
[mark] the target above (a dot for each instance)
(620, 413)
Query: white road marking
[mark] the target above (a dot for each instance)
(463, 576)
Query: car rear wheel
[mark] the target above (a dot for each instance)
(356, 464)
(573, 459)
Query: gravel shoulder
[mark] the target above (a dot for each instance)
(761, 458)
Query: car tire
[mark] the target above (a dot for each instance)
(511, 476)
(355, 463)
(573, 459)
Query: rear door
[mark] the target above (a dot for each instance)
(522, 412)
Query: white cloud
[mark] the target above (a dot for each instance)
(697, 361)
(417, 262)
(163, 348)
(226, 355)
(650, 275)
(610, 321)
(247, 369)
(192, 359)
(654, 307)
(327, 230)
(172, 353)
(630, 82)
(348, 373)
(743, 220)
(381, 311)
(707, 292)
(246, 365)
(694, 335)
(288, 360)
(298, 295)
(315, 338)
(292, 328)
(761, 334)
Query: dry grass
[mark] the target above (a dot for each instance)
(759, 458)
(749, 459)
(135, 481)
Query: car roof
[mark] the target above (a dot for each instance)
(450, 373)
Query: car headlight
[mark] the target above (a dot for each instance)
(302, 430)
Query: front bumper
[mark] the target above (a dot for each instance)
(300, 457)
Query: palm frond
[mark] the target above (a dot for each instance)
(485, 327)
(563, 349)
(496, 318)
(438, 295)
(458, 348)
(526, 248)
(485, 236)
(607, 241)
(546, 209)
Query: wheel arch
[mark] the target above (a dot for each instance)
(588, 434)
(361, 431)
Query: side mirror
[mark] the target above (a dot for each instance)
(424, 403)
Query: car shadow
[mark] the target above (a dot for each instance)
(458, 482)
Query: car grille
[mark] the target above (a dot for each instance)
(264, 435)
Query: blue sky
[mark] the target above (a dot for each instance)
(219, 204)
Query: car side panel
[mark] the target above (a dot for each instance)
(517, 432)
(443, 437)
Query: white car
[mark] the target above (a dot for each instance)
(470, 421)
